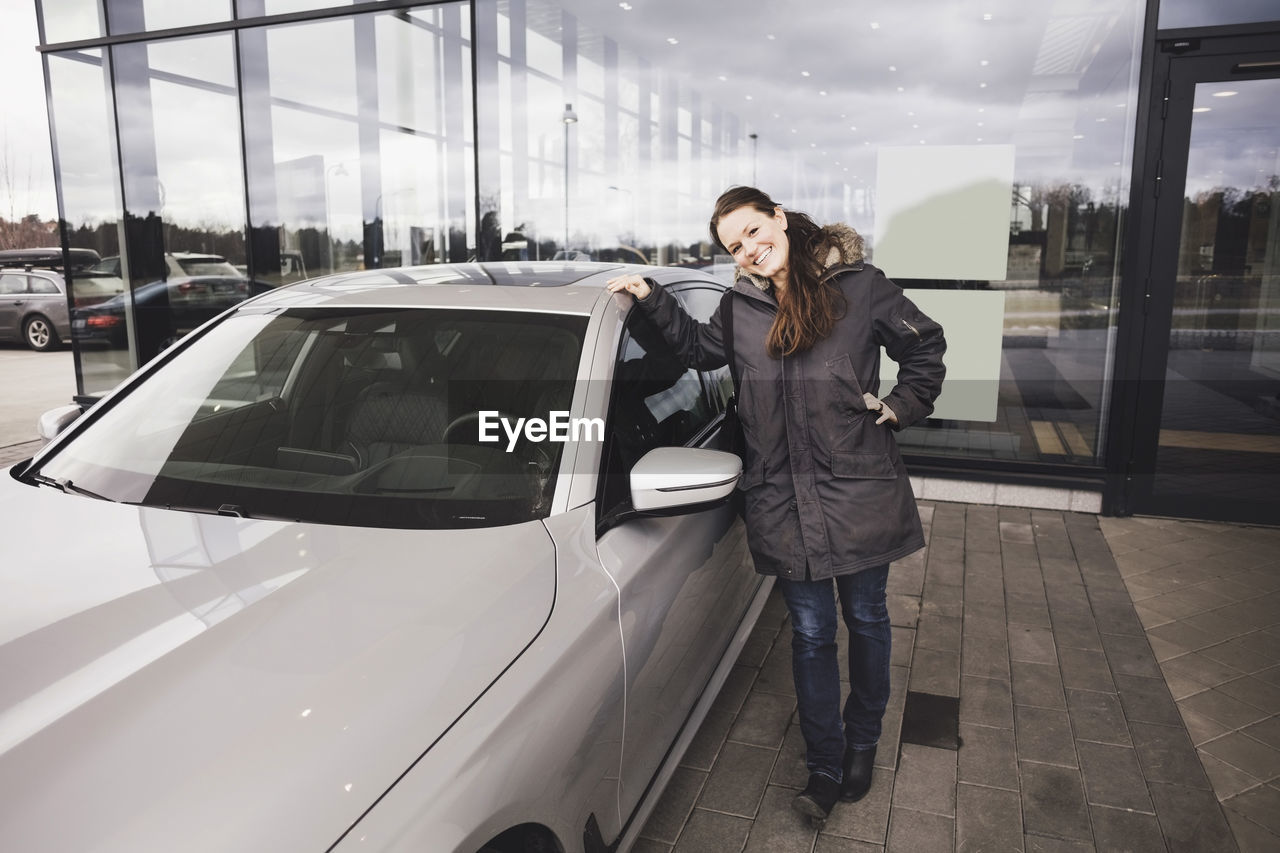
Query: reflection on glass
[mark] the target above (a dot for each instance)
(1176, 14)
(185, 257)
(134, 16)
(1220, 419)
(673, 107)
(89, 194)
(70, 20)
(358, 142)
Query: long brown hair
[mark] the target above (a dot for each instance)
(809, 305)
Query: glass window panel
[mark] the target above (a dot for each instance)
(89, 192)
(314, 64)
(70, 20)
(1053, 83)
(185, 260)
(1176, 14)
(284, 7)
(409, 59)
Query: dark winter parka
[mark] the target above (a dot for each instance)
(826, 492)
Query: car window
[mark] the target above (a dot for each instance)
(363, 417)
(656, 401)
(10, 284)
(40, 284)
(702, 302)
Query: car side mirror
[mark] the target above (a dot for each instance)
(668, 478)
(56, 420)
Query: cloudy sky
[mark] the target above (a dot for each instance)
(26, 168)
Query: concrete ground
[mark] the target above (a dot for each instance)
(1118, 689)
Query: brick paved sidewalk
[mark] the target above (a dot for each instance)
(1069, 737)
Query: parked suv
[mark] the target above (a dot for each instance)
(33, 308)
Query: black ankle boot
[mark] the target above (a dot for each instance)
(858, 765)
(818, 798)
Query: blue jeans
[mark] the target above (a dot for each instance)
(817, 670)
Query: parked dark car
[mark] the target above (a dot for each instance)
(163, 311)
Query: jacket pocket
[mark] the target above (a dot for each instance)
(863, 466)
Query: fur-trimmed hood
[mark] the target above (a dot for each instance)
(847, 249)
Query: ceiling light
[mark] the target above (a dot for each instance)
(1225, 94)
(626, 7)
(984, 62)
(915, 127)
(986, 16)
(1201, 110)
(874, 25)
(750, 98)
(822, 91)
(1078, 136)
(982, 85)
(771, 37)
(723, 78)
(900, 89)
(673, 41)
(893, 68)
(804, 73)
(853, 127)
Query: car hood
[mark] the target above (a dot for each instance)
(175, 681)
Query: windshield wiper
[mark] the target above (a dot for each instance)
(67, 486)
(229, 511)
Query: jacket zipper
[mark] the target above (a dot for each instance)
(912, 328)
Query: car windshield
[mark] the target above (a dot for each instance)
(372, 418)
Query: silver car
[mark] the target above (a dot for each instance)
(33, 308)
(431, 559)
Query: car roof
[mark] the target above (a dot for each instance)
(568, 287)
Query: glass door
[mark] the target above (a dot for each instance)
(1214, 297)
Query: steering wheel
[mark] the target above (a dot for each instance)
(454, 432)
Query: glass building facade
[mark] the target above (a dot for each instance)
(988, 158)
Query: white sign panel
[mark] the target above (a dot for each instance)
(973, 322)
(942, 211)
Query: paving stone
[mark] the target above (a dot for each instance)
(1147, 700)
(993, 627)
(1033, 645)
(1112, 777)
(986, 702)
(1191, 819)
(1044, 735)
(1077, 634)
(1234, 653)
(1222, 629)
(943, 599)
(988, 756)
(1132, 832)
(1267, 731)
(987, 657)
(1029, 612)
(1053, 801)
(713, 832)
(936, 672)
(941, 633)
(775, 675)
(1197, 667)
(987, 819)
(867, 819)
(1037, 684)
(1227, 781)
(763, 719)
(1048, 844)
(1098, 717)
(735, 689)
(1166, 754)
(1116, 617)
(1011, 531)
(1085, 669)
(675, 805)
(1241, 751)
(901, 645)
(948, 523)
(913, 832)
(926, 780)
(1217, 705)
(1253, 691)
(1251, 837)
(1060, 572)
(1130, 656)
(790, 769)
(647, 845)
(738, 779)
(706, 744)
(777, 827)
(904, 610)
(1201, 728)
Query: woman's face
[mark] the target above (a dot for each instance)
(758, 241)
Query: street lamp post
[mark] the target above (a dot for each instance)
(754, 141)
(569, 117)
